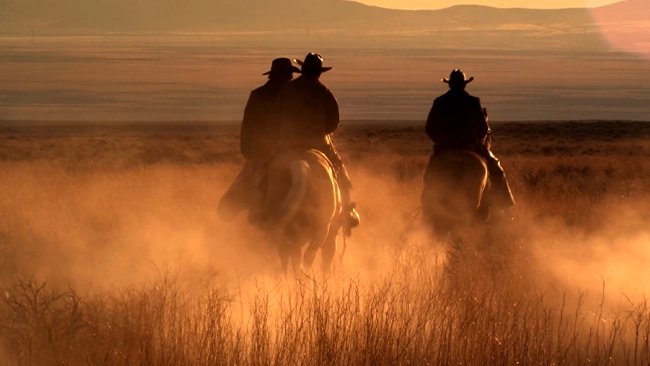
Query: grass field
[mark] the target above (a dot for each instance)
(112, 253)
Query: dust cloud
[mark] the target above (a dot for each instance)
(100, 230)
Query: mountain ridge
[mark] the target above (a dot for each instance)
(133, 16)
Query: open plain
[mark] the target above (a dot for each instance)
(112, 253)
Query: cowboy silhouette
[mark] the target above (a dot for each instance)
(309, 114)
(457, 121)
(258, 139)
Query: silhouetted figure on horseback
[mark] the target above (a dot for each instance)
(293, 183)
(260, 130)
(309, 115)
(458, 126)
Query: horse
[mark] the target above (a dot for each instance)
(302, 207)
(455, 183)
(452, 201)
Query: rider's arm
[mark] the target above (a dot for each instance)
(332, 117)
(432, 126)
(248, 128)
(480, 125)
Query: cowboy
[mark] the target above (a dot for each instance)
(309, 114)
(259, 134)
(457, 121)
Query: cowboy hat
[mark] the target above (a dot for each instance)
(457, 77)
(313, 62)
(282, 65)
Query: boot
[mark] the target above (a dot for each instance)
(350, 218)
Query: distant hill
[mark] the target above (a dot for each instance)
(254, 15)
(55, 17)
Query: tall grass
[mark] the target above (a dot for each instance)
(408, 317)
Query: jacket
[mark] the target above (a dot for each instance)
(457, 121)
(260, 126)
(308, 113)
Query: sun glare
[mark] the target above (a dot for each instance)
(626, 26)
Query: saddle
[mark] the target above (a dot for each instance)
(445, 159)
(262, 183)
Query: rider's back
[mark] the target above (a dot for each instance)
(308, 113)
(456, 121)
(260, 126)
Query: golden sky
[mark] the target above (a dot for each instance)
(438, 4)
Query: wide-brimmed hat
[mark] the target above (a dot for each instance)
(457, 77)
(313, 62)
(282, 65)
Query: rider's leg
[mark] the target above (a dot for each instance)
(499, 196)
(350, 215)
(256, 192)
(236, 197)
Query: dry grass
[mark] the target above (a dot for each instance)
(93, 207)
(383, 322)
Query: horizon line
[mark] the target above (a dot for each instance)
(484, 6)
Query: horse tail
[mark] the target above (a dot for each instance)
(292, 202)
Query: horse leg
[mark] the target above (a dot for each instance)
(316, 242)
(328, 251)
